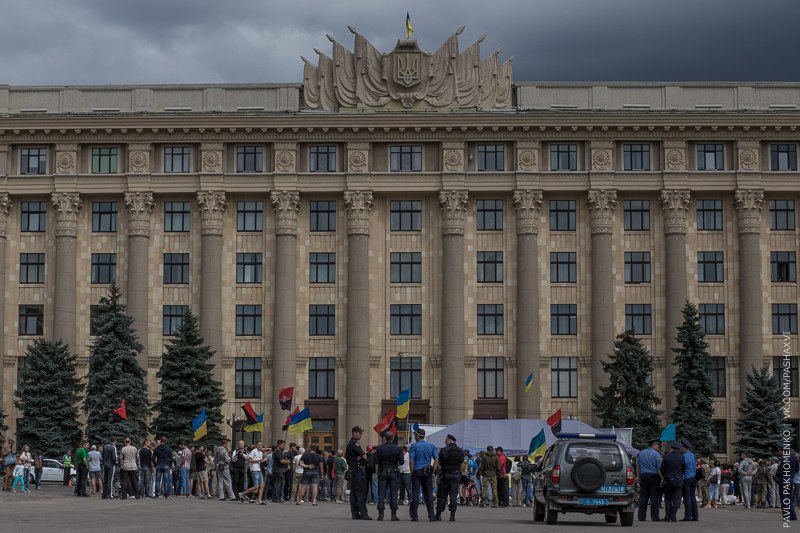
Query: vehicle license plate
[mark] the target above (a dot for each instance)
(595, 502)
(612, 488)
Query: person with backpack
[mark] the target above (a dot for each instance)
(714, 476)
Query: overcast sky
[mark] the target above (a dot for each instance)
(71, 42)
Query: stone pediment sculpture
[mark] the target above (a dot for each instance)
(407, 77)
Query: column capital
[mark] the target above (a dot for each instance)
(359, 205)
(67, 205)
(212, 205)
(140, 208)
(454, 208)
(5, 206)
(529, 205)
(748, 206)
(601, 207)
(675, 204)
(286, 204)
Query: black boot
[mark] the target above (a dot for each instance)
(452, 516)
(394, 516)
(380, 515)
(438, 517)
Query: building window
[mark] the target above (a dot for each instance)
(104, 217)
(780, 364)
(31, 268)
(248, 320)
(637, 215)
(638, 318)
(321, 377)
(783, 266)
(781, 215)
(564, 377)
(784, 319)
(637, 267)
(562, 215)
(405, 267)
(249, 267)
(490, 157)
(563, 157)
(249, 159)
(712, 318)
(104, 268)
(718, 377)
(177, 159)
(94, 312)
(33, 216)
(406, 319)
(322, 159)
(323, 215)
(406, 373)
(172, 319)
(719, 436)
(563, 319)
(709, 215)
(490, 319)
(249, 216)
(176, 268)
(783, 157)
(563, 267)
(322, 267)
(710, 267)
(31, 319)
(33, 161)
(322, 320)
(406, 215)
(490, 267)
(637, 156)
(405, 158)
(490, 215)
(710, 157)
(491, 380)
(177, 216)
(248, 377)
(104, 160)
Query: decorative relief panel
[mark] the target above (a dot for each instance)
(526, 160)
(676, 160)
(284, 161)
(212, 158)
(357, 157)
(65, 163)
(138, 158)
(601, 159)
(748, 159)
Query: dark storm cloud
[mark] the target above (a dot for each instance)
(241, 41)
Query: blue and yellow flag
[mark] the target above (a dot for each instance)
(409, 27)
(538, 446)
(199, 425)
(403, 403)
(257, 426)
(529, 382)
(300, 422)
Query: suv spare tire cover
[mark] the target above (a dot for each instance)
(588, 474)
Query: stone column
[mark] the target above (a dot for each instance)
(284, 347)
(212, 205)
(357, 398)
(140, 209)
(601, 209)
(67, 206)
(528, 204)
(675, 207)
(5, 206)
(751, 293)
(454, 207)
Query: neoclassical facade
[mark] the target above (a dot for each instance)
(355, 245)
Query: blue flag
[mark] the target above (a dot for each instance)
(670, 433)
(199, 425)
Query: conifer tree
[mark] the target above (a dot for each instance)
(114, 375)
(187, 386)
(761, 419)
(694, 408)
(47, 398)
(629, 400)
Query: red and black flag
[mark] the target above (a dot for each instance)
(554, 421)
(387, 423)
(122, 411)
(285, 398)
(289, 419)
(250, 414)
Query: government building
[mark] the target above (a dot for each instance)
(406, 219)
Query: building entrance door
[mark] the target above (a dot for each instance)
(322, 439)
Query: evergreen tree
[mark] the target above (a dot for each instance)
(187, 386)
(47, 397)
(114, 375)
(694, 409)
(760, 416)
(629, 400)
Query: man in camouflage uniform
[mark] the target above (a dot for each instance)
(702, 484)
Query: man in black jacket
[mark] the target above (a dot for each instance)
(110, 459)
(387, 458)
(672, 468)
(239, 468)
(451, 458)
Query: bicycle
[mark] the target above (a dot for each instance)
(469, 494)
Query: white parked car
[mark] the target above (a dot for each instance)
(53, 471)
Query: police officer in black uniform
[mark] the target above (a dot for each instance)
(451, 458)
(388, 458)
(672, 467)
(357, 461)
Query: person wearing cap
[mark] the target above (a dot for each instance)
(388, 458)
(451, 460)
(672, 468)
(421, 458)
(356, 462)
(690, 513)
(648, 466)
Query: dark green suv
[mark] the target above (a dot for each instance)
(585, 473)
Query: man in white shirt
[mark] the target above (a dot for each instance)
(298, 473)
(254, 459)
(405, 478)
(129, 470)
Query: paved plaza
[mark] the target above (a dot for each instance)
(54, 509)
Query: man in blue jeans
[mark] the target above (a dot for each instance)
(163, 460)
(422, 459)
(690, 513)
(280, 465)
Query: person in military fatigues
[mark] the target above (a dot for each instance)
(388, 458)
(451, 460)
(356, 461)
